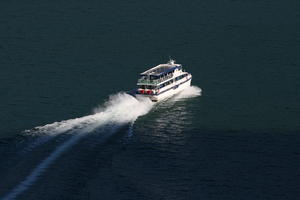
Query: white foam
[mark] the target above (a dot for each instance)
(190, 92)
(120, 109)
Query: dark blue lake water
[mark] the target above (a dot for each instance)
(61, 60)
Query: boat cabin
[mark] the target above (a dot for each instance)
(158, 74)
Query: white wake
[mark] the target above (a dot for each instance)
(119, 110)
(190, 92)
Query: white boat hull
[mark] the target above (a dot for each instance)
(169, 91)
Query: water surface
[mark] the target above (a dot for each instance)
(60, 60)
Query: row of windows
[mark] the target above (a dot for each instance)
(152, 87)
(171, 81)
(180, 77)
(166, 83)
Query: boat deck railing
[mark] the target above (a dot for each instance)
(154, 82)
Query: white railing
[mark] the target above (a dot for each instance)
(154, 82)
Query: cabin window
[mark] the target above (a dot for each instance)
(180, 77)
(167, 83)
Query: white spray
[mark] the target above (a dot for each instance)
(120, 109)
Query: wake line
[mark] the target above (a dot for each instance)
(35, 174)
(44, 165)
(120, 109)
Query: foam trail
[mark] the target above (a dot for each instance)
(190, 92)
(119, 110)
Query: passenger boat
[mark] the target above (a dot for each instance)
(163, 81)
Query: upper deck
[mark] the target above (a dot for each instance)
(158, 73)
(161, 69)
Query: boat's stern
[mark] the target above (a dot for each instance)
(149, 95)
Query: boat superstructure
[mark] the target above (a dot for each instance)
(163, 81)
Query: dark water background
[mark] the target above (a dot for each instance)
(239, 140)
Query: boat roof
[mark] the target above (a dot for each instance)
(161, 69)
